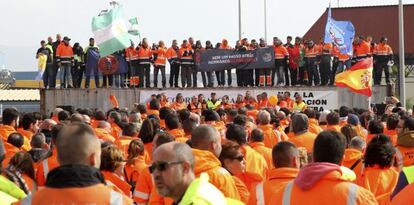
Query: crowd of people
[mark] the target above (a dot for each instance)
(302, 62)
(208, 152)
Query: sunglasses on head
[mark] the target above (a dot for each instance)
(239, 158)
(161, 166)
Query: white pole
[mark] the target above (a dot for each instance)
(401, 53)
(240, 21)
(265, 21)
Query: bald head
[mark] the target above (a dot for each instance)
(104, 124)
(77, 144)
(38, 140)
(76, 118)
(206, 137)
(263, 117)
(203, 135)
(177, 151)
(57, 111)
(47, 124)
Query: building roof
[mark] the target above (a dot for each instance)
(376, 21)
(19, 95)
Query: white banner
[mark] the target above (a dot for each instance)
(318, 100)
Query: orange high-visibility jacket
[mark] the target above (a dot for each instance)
(305, 140)
(405, 196)
(134, 168)
(123, 144)
(381, 182)
(314, 126)
(262, 192)
(131, 55)
(104, 135)
(161, 56)
(45, 166)
(177, 133)
(335, 128)
(144, 56)
(362, 50)
(64, 53)
(331, 189)
(27, 137)
(11, 150)
(271, 137)
(256, 164)
(171, 54)
(186, 56)
(242, 188)
(5, 131)
(280, 52)
(264, 151)
(143, 187)
(351, 156)
(117, 183)
(206, 162)
(95, 194)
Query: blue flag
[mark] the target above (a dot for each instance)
(340, 34)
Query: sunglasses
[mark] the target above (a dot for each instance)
(239, 158)
(162, 166)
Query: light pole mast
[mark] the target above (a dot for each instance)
(401, 53)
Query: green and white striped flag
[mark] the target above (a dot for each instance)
(110, 31)
(133, 30)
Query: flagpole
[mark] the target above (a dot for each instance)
(401, 53)
(240, 21)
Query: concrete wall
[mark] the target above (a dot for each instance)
(22, 106)
(99, 98)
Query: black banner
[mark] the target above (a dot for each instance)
(220, 59)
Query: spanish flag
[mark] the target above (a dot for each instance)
(358, 78)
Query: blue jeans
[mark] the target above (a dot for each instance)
(65, 75)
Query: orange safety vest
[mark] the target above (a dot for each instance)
(95, 194)
(311, 52)
(161, 57)
(64, 53)
(280, 52)
(362, 50)
(187, 59)
(144, 56)
(178, 106)
(131, 54)
(383, 50)
(195, 108)
(117, 183)
(278, 177)
(327, 49)
(336, 190)
(171, 54)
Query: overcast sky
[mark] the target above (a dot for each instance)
(25, 22)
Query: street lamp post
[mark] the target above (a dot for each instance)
(240, 21)
(265, 21)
